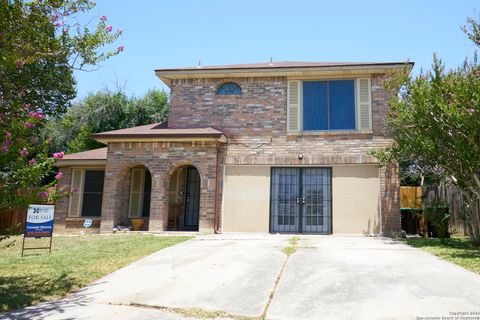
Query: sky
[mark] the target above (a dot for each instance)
(172, 33)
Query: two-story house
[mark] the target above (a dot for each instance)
(268, 147)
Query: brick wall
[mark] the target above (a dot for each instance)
(161, 159)
(61, 206)
(390, 200)
(259, 110)
(255, 123)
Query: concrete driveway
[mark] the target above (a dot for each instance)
(232, 275)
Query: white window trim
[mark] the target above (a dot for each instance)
(80, 191)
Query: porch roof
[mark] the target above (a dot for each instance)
(95, 157)
(160, 132)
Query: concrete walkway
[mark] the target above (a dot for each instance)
(328, 277)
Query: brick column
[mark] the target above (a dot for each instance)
(390, 189)
(158, 220)
(61, 205)
(208, 191)
(112, 198)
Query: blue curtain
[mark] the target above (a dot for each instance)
(329, 105)
(315, 107)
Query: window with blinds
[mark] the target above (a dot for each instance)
(329, 105)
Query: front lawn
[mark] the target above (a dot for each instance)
(456, 250)
(75, 261)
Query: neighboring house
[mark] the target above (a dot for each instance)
(268, 147)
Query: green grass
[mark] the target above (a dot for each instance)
(74, 262)
(197, 313)
(456, 250)
(292, 248)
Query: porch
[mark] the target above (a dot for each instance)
(166, 182)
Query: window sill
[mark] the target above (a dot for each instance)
(330, 133)
(82, 218)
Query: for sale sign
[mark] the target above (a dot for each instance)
(39, 222)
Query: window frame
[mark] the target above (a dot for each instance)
(355, 99)
(81, 192)
(228, 94)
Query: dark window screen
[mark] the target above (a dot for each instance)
(92, 193)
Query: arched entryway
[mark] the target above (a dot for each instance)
(139, 197)
(184, 199)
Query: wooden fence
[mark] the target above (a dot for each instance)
(451, 197)
(12, 220)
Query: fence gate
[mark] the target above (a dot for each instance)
(301, 200)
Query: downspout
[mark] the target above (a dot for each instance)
(216, 227)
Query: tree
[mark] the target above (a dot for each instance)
(436, 122)
(104, 111)
(41, 43)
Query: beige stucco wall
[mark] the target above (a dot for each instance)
(246, 199)
(355, 195)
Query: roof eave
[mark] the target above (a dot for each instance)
(103, 138)
(166, 75)
(81, 162)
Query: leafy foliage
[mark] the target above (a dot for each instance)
(104, 111)
(41, 43)
(438, 217)
(436, 123)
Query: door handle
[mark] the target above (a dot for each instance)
(303, 200)
(297, 200)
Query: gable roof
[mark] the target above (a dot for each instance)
(95, 157)
(281, 68)
(159, 131)
(95, 154)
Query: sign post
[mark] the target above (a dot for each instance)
(86, 224)
(39, 224)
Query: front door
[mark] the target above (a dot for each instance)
(192, 200)
(301, 200)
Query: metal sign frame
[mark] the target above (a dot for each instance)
(47, 223)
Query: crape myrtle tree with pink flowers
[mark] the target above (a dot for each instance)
(41, 44)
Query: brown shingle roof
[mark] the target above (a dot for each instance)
(159, 130)
(284, 64)
(95, 154)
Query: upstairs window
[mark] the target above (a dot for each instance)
(329, 105)
(228, 89)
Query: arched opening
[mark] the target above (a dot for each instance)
(184, 199)
(139, 197)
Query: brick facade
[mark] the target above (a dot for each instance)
(255, 123)
(259, 110)
(161, 159)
